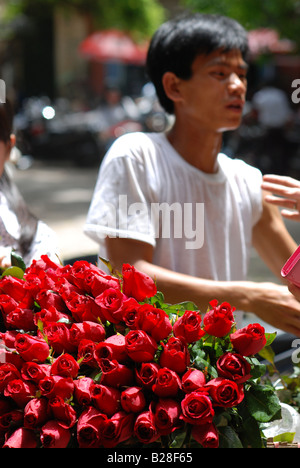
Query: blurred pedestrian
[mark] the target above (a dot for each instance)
(20, 230)
(274, 115)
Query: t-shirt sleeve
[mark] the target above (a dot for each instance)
(121, 203)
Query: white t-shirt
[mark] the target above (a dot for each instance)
(206, 220)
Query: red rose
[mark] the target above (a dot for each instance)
(219, 320)
(137, 284)
(86, 350)
(144, 428)
(21, 438)
(225, 393)
(31, 348)
(98, 283)
(188, 326)
(192, 380)
(36, 412)
(113, 348)
(47, 298)
(65, 366)
(53, 385)
(117, 429)
(131, 311)
(175, 355)
(166, 415)
(21, 319)
(89, 425)
(87, 330)
(62, 412)
(53, 435)
(249, 340)
(11, 419)
(197, 408)
(83, 390)
(146, 375)
(115, 374)
(49, 315)
(21, 392)
(154, 321)
(8, 372)
(140, 347)
(206, 435)
(35, 372)
(167, 383)
(15, 288)
(83, 308)
(133, 400)
(234, 367)
(106, 399)
(111, 304)
(58, 336)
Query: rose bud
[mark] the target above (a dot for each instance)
(166, 416)
(31, 348)
(111, 304)
(188, 327)
(154, 321)
(65, 366)
(175, 355)
(115, 374)
(133, 400)
(218, 321)
(11, 419)
(83, 390)
(62, 412)
(206, 435)
(21, 319)
(106, 399)
(225, 393)
(34, 371)
(192, 380)
(21, 392)
(234, 367)
(137, 284)
(144, 428)
(58, 336)
(146, 375)
(140, 347)
(112, 348)
(8, 372)
(197, 408)
(89, 424)
(117, 429)
(21, 438)
(249, 340)
(167, 383)
(36, 412)
(53, 435)
(53, 385)
(87, 330)
(86, 350)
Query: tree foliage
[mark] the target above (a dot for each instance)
(282, 15)
(141, 17)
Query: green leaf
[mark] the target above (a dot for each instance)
(268, 354)
(263, 404)
(270, 337)
(14, 271)
(228, 438)
(286, 437)
(17, 260)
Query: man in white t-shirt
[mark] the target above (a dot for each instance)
(175, 207)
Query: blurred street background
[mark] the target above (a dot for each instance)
(74, 71)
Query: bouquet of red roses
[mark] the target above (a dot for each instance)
(90, 359)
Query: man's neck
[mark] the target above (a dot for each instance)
(198, 148)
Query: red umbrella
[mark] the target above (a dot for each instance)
(113, 45)
(266, 40)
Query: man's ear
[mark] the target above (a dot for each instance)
(171, 84)
(12, 140)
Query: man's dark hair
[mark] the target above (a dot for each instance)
(6, 121)
(177, 43)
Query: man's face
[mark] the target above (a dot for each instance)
(214, 97)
